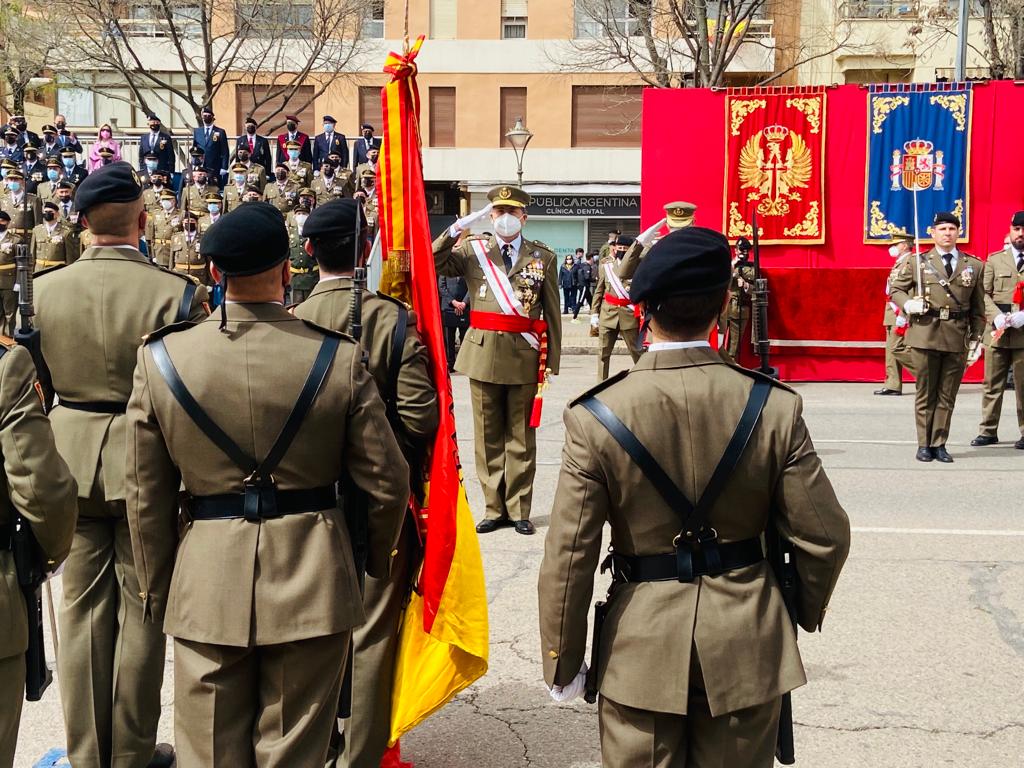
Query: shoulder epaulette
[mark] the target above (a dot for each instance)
(48, 270)
(758, 375)
(392, 299)
(328, 331)
(600, 387)
(159, 333)
(179, 275)
(477, 237)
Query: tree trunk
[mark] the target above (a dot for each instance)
(995, 59)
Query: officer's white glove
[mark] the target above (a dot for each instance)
(901, 321)
(914, 307)
(575, 689)
(1000, 321)
(469, 220)
(1017, 320)
(646, 237)
(594, 320)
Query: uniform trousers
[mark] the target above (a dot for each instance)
(938, 380)
(736, 321)
(266, 706)
(897, 357)
(375, 645)
(111, 662)
(640, 738)
(9, 300)
(608, 337)
(12, 693)
(998, 364)
(506, 447)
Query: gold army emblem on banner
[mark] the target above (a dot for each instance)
(775, 178)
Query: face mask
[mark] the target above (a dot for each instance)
(158, 184)
(894, 251)
(508, 225)
(59, 126)
(107, 160)
(208, 119)
(293, 154)
(52, 175)
(3, 226)
(190, 226)
(12, 139)
(212, 207)
(292, 126)
(328, 127)
(49, 138)
(151, 165)
(281, 175)
(14, 186)
(104, 134)
(239, 179)
(200, 181)
(307, 204)
(327, 171)
(30, 159)
(250, 129)
(167, 205)
(49, 215)
(154, 127)
(63, 200)
(69, 162)
(367, 134)
(301, 218)
(243, 158)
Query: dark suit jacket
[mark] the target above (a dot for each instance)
(28, 137)
(216, 150)
(47, 151)
(360, 149)
(260, 151)
(305, 151)
(452, 289)
(14, 154)
(164, 149)
(65, 141)
(321, 149)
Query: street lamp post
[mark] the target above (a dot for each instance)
(519, 136)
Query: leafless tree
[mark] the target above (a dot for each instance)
(27, 44)
(269, 50)
(1002, 32)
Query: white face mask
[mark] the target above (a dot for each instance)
(894, 251)
(167, 204)
(508, 225)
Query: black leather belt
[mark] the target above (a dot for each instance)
(1004, 307)
(273, 503)
(94, 406)
(953, 314)
(734, 554)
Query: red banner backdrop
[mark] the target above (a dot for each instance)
(775, 161)
(827, 299)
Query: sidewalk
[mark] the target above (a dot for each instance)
(576, 338)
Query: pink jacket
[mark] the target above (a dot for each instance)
(95, 161)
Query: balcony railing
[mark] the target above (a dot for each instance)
(880, 9)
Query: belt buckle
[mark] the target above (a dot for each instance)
(260, 499)
(944, 313)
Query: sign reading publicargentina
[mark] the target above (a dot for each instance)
(775, 161)
(918, 158)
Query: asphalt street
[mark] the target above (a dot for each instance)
(921, 662)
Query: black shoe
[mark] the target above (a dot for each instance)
(981, 440)
(525, 527)
(941, 454)
(488, 525)
(163, 757)
(1019, 445)
(887, 391)
(924, 454)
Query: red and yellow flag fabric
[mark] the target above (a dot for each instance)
(443, 645)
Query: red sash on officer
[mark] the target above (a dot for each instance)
(618, 296)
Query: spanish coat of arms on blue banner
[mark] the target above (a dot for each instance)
(918, 145)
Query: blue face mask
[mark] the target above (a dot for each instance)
(212, 207)
(52, 175)
(151, 165)
(14, 186)
(328, 127)
(3, 173)
(69, 162)
(293, 154)
(239, 178)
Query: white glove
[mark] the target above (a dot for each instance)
(469, 220)
(646, 237)
(1017, 320)
(594, 320)
(1000, 321)
(914, 307)
(575, 689)
(901, 321)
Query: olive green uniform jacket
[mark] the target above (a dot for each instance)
(999, 281)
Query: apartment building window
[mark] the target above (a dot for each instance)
(442, 117)
(597, 18)
(278, 19)
(606, 116)
(370, 109)
(94, 98)
(513, 107)
(151, 19)
(443, 19)
(865, 76)
(513, 19)
(373, 23)
(880, 9)
(271, 112)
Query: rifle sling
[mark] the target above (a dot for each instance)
(694, 531)
(395, 368)
(185, 307)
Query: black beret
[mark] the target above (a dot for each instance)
(335, 219)
(4, 216)
(1018, 219)
(945, 217)
(689, 260)
(624, 240)
(251, 239)
(114, 183)
(64, 184)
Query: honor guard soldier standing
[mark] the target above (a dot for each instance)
(733, 321)
(40, 488)
(111, 663)
(398, 362)
(334, 181)
(259, 591)
(161, 228)
(283, 193)
(193, 197)
(516, 318)
(947, 315)
(613, 313)
(1003, 283)
(186, 254)
(299, 171)
(726, 647)
(25, 212)
(51, 246)
(897, 353)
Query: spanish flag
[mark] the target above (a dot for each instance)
(443, 644)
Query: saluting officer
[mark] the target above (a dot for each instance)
(334, 232)
(111, 664)
(678, 215)
(41, 489)
(691, 669)
(513, 288)
(1003, 283)
(260, 592)
(186, 253)
(612, 312)
(944, 321)
(51, 245)
(897, 353)
(161, 228)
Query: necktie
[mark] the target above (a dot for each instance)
(506, 256)
(67, 210)
(252, 145)
(1020, 262)
(948, 259)
(207, 135)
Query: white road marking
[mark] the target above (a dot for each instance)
(939, 531)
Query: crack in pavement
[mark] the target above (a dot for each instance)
(921, 729)
(471, 699)
(987, 595)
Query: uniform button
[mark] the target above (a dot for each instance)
(394, 553)
(553, 654)
(143, 595)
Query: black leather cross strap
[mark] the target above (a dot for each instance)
(390, 395)
(94, 406)
(260, 495)
(185, 307)
(732, 555)
(6, 537)
(228, 506)
(695, 533)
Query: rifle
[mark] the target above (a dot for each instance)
(759, 305)
(29, 559)
(780, 555)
